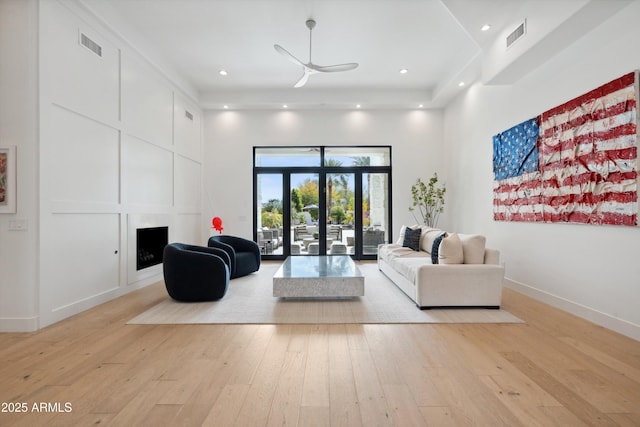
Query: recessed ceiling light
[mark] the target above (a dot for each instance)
(461, 84)
(358, 106)
(404, 71)
(285, 106)
(421, 106)
(485, 27)
(222, 72)
(226, 107)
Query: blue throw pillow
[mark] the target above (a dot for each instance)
(435, 247)
(412, 239)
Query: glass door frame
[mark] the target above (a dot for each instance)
(322, 172)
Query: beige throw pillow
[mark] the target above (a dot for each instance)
(450, 250)
(473, 248)
(401, 235)
(427, 238)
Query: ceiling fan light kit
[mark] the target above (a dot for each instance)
(311, 68)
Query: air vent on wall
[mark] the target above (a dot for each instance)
(90, 44)
(189, 115)
(517, 33)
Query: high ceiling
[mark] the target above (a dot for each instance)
(439, 42)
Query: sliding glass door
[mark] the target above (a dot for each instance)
(270, 213)
(375, 212)
(304, 189)
(322, 200)
(340, 213)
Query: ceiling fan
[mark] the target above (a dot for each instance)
(311, 68)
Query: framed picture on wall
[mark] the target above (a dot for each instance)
(8, 179)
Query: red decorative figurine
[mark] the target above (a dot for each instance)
(217, 224)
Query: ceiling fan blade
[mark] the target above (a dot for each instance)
(310, 67)
(303, 80)
(334, 68)
(287, 55)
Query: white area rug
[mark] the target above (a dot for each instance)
(250, 300)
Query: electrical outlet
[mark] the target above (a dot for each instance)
(18, 225)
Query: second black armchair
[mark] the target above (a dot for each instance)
(244, 253)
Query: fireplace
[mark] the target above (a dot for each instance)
(150, 243)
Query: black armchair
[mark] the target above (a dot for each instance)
(244, 254)
(195, 273)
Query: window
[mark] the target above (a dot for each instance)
(322, 200)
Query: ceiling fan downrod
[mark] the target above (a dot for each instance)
(311, 24)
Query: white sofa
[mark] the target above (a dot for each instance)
(467, 273)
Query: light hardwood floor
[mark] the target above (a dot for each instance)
(555, 370)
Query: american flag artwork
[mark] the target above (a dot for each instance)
(575, 163)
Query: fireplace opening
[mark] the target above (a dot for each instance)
(150, 243)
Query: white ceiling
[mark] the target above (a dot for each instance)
(438, 41)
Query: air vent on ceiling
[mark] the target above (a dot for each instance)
(189, 115)
(517, 33)
(90, 44)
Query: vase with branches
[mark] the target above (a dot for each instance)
(428, 200)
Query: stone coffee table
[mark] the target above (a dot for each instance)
(335, 276)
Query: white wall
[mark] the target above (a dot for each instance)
(104, 146)
(19, 127)
(231, 135)
(592, 271)
(117, 152)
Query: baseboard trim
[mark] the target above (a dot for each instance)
(57, 314)
(620, 326)
(19, 324)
